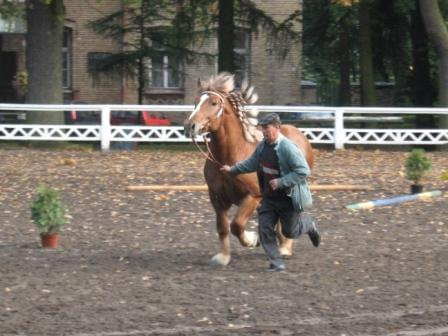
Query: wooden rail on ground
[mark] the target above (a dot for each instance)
(314, 187)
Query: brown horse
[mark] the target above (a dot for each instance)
(219, 110)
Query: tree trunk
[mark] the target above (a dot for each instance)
(44, 57)
(401, 59)
(344, 96)
(226, 36)
(141, 59)
(438, 35)
(365, 50)
(141, 80)
(423, 90)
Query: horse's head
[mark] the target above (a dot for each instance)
(206, 116)
(210, 105)
(217, 100)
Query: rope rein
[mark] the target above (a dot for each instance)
(208, 155)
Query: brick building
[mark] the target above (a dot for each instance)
(277, 81)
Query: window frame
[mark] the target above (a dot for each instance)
(166, 69)
(245, 53)
(67, 58)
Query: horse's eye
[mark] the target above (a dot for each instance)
(214, 103)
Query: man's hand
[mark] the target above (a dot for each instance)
(225, 168)
(274, 184)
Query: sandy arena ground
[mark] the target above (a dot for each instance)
(137, 263)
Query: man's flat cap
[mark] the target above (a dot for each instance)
(270, 119)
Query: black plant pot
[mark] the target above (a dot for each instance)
(416, 188)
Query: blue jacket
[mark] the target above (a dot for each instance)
(294, 170)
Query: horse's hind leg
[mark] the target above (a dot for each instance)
(238, 225)
(286, 244)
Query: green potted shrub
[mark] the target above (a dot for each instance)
(48, 213)
(417, 164)
(444, 176)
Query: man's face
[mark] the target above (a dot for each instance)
(270, 132)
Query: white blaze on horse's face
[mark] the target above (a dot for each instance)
(197, 108)
(208, 110)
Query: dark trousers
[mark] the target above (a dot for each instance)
(294, 224)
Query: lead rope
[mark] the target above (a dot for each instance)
(211, 154)
(208, 155)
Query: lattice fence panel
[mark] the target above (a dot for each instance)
(319, 135)
(49, 132)
(409, 136)
(136, 133)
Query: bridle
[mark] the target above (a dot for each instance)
(221, 98)
(209, 155)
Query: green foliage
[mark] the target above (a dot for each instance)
(416, 165)
(330, 37)
(152, 29)
(179, 30)
(11, 9)
(280, 35)
(47, 211)
(331, 49)
(444, 176)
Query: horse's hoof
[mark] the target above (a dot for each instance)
(284, 253)
(251, 238)
(220, 260)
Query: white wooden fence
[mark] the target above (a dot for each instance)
(337, 131)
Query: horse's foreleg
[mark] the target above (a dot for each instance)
(238, 225)
(222, 223)
(286, 244)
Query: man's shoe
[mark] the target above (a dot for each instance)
(314, 237)
(278, 268)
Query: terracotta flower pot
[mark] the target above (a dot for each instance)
(50, 240)
(416, 188)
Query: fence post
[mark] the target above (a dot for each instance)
(339, 129)
(105, 133)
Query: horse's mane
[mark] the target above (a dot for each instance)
(224, 83)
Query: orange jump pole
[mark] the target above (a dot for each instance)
(314, 187)
(158, 187)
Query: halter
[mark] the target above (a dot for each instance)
(221, 98)
(209, 155)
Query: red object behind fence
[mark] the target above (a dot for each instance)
(152, 120)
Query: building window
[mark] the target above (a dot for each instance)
(12, 25)
(67, 59)
(12, 17)
(165, 72)
(242, 55)
(96, 60)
